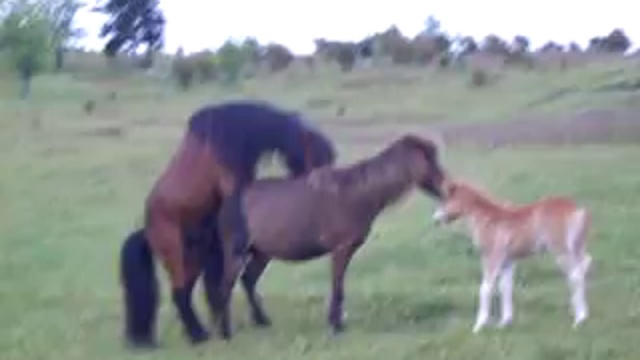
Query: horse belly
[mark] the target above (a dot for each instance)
(292, 251)
(283, 238)
(285, 234)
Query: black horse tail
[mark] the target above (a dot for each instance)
(140, 285)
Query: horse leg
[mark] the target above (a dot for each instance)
(232, 268)
(212, 258)
(239, 223)
(213, 275)
(340, 259)
(165, 236)
(193, 264)
(254, 269)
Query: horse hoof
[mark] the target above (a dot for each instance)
(142, 344)
(226, 334)
(337, 329)
(199, 338)
(262, 321)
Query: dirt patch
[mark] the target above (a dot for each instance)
(588, 127)
(376, 79)
(553, 96)
(106, 131)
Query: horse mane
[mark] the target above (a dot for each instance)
(312, 139)
(379, 179)
(428, 146)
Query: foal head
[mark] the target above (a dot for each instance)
(458, 200)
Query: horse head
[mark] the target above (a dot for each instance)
(308, 149)
(425, 164)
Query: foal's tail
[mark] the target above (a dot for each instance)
(140, 285)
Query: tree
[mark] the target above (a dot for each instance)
(183, 70)
(278, 57)
(616, 42)
(431, 26)
(521, 44)
(494, 45)
(426, 48)
(132, 23)
(574, 47)
(231, 59)
(551, 47)
(25, 38)
(468, 46)
(252, 50)
(345, 55)
(61, 13)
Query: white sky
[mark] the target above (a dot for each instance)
(201, 24)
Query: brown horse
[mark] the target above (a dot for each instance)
(216, 158)
(329, 211)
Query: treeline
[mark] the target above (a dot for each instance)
(35, 34)
(431, 47)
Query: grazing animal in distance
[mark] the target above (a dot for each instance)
(329, 211)
(505, 233)
(217, 156)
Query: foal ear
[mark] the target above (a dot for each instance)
(450, 187)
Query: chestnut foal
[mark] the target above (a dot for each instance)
(505, 233)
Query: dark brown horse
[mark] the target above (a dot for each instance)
(216, 158)
(329, 211)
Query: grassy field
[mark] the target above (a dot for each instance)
(72, 185)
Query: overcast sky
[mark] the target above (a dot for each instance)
(202, 24)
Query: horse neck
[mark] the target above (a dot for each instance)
(377, 183)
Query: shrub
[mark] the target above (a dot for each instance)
(183, 71)
(345, 55)
(231, 59)
(479, 78)
(204, 64)
(277, 57)
(402, 53)
(424, 48)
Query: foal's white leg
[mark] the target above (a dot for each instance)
(489, 275)
(578, 266)
(577, 285)
(575, 272)
(506, 293)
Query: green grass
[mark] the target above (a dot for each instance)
(67, 198)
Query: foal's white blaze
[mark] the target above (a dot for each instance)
(439, 215)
